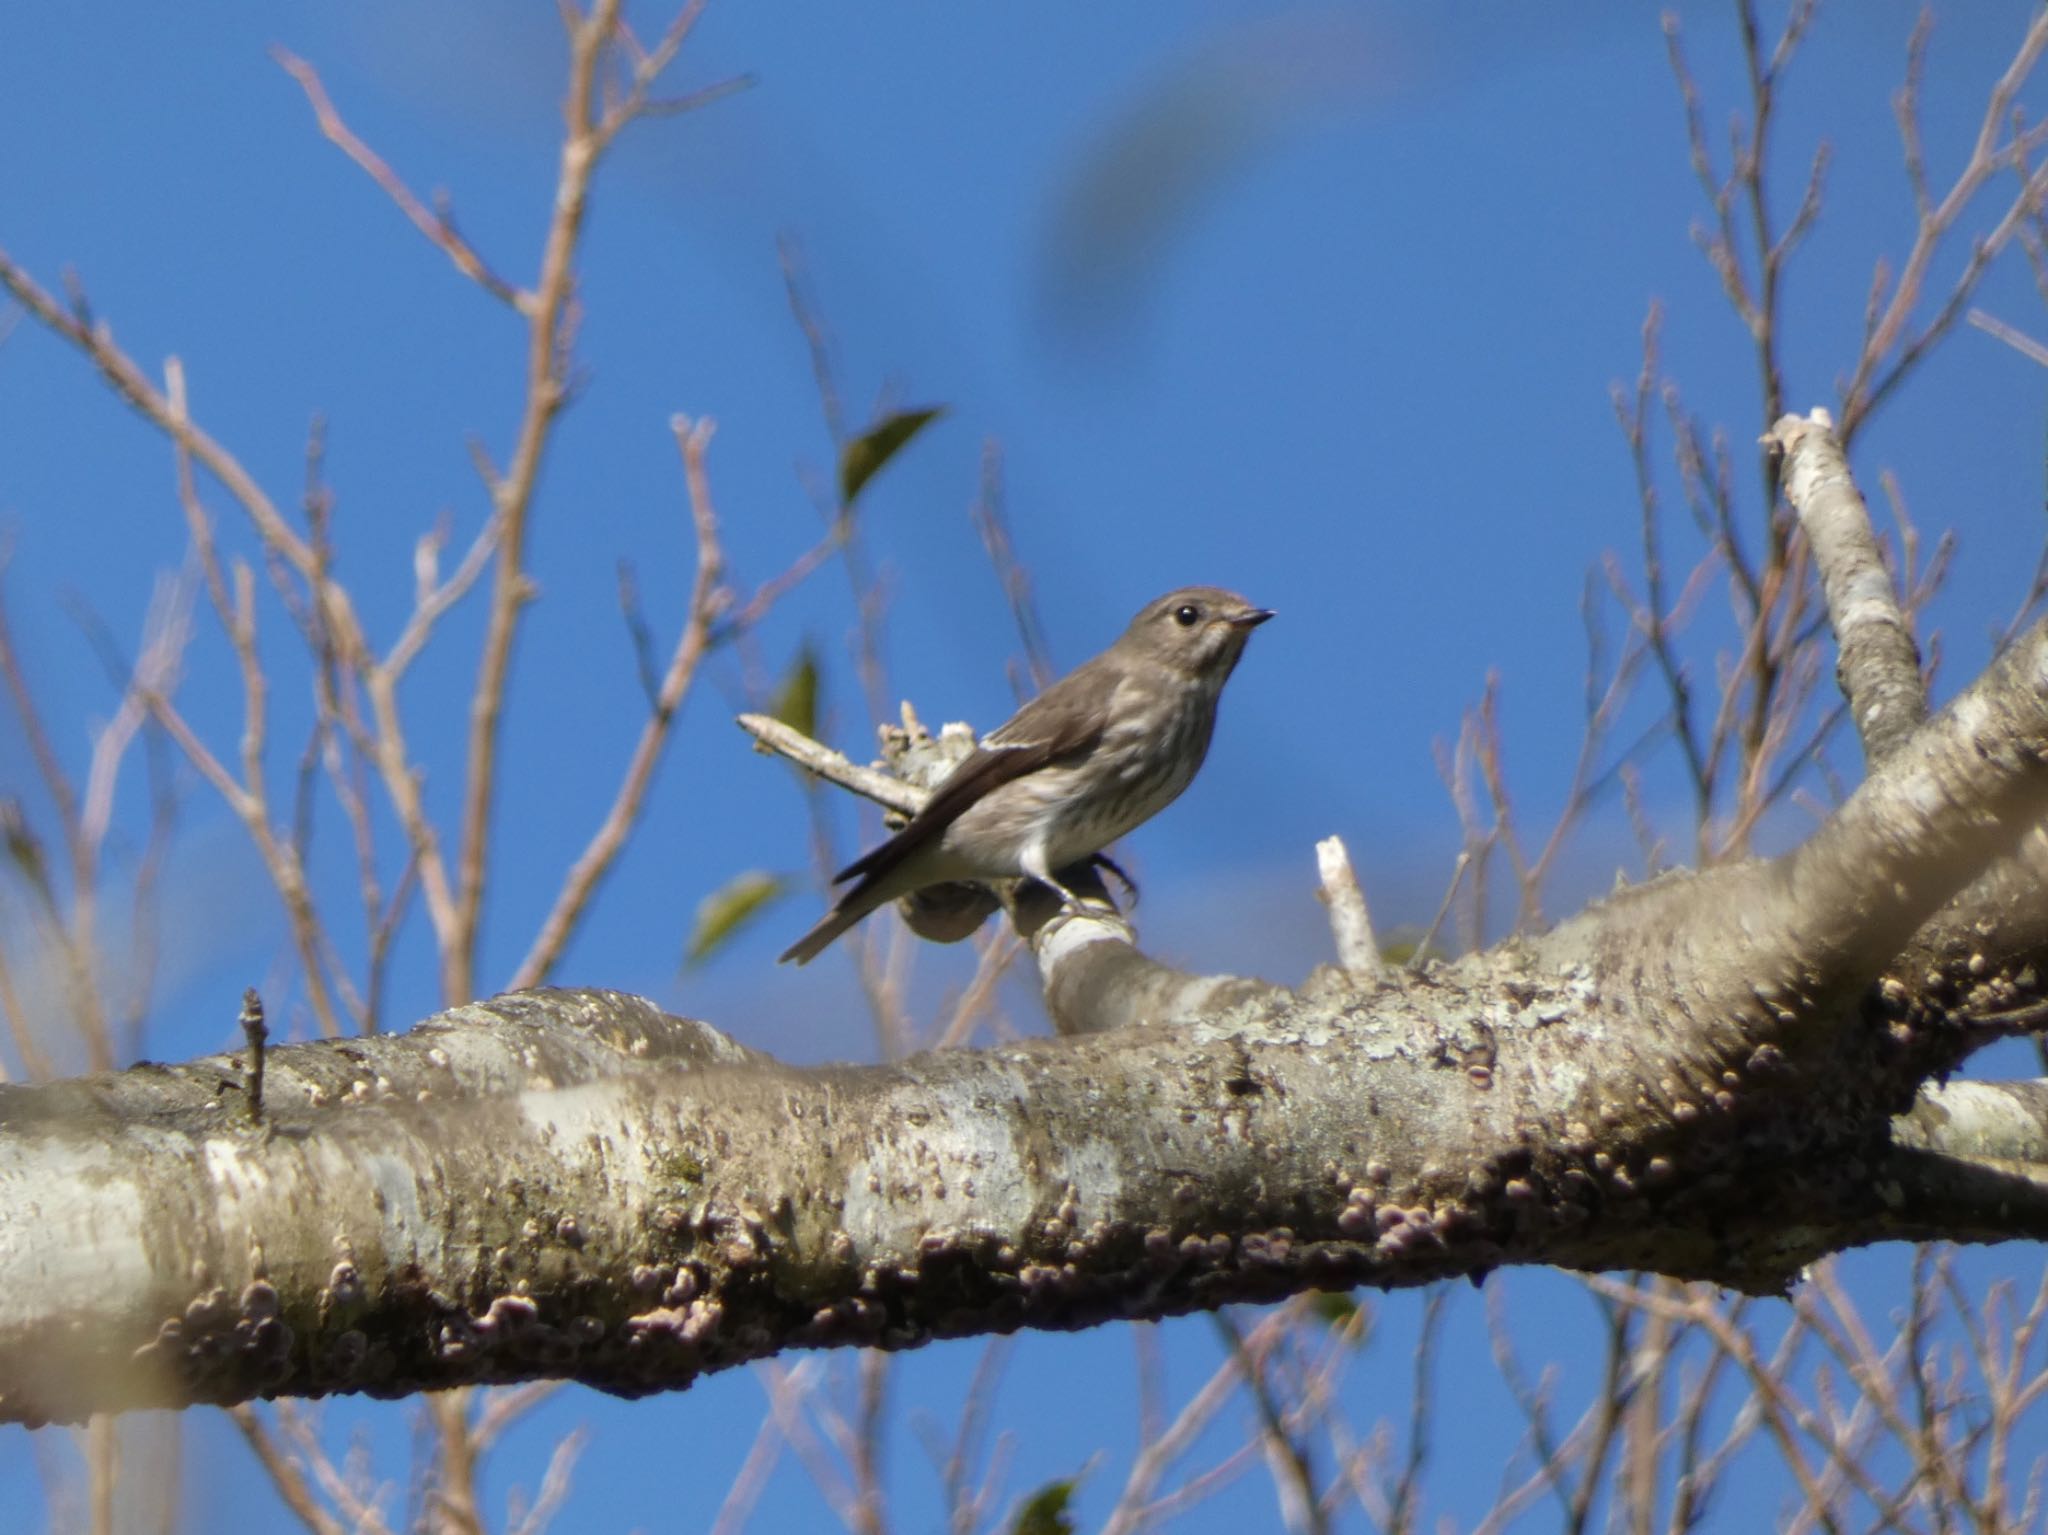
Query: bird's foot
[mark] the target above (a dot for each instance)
(1104, 861)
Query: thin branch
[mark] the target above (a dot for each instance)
(1460, 865)
(436, 226)
(2018, 340)
(95, 339)
(1135, 1507)
(706, 603)
(1011, 574)
(1887, 333)
(1301, 1505)
(286, 1474)
(552, 320)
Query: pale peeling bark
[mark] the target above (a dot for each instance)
(1717, 1076)
(1879, 666)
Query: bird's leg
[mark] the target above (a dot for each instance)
(1034, 864)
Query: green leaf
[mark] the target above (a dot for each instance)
(24, 849)
(1045, 1512)
(729, 908)
(1335, 1308)
(864, 457)
(795, 701)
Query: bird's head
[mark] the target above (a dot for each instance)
(1200, 630)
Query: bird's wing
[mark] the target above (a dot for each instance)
(1068, 717)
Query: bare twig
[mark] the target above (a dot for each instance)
(751, 1480)
(436, 226)
(2018, 340)
(95, 339)
(287, 1474)
(997, 954)
(551, 319)
(1459, 867)
(1407, 1491)
(865, 1448)
(1300, 1503)
(790, 1395)
(35, 1063)
(1135, 1507)
(706, 603)
(554, 1483)
(356, 1499)
(235, 605)
(72, 924)
(454, 1486)
(1891, 348)
(889, 792)
(1014, 578)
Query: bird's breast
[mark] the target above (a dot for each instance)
(1077, 806)
(1140, 766)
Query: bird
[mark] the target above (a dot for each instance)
(1098, 753)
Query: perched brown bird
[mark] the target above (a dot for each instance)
(1102, 750)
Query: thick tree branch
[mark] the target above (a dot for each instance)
(1096, 979)
(1994, 1121)
(1990, 937)
(573, 1184)
(1778, 959)
(1960, 1199)
(1958, 793)
(634, 1229)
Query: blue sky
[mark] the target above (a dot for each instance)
(1361, 374)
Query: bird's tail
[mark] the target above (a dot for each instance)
(851, 907)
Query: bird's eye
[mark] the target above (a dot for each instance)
(1186, 614)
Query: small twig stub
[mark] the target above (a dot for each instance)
(257, 1033)
(1350, 922)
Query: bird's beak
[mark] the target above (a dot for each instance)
(1250, 618)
